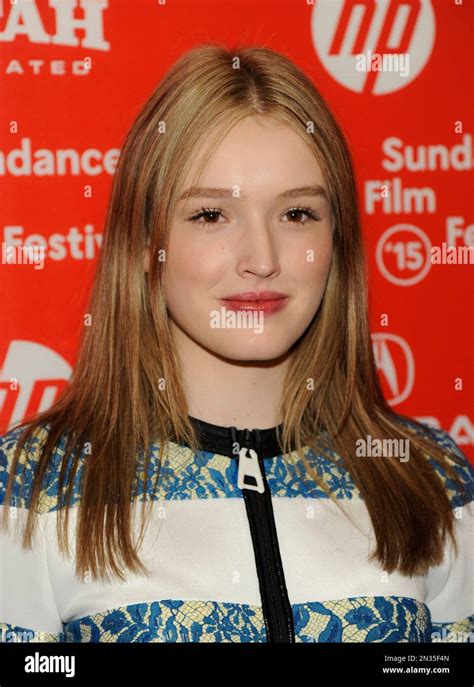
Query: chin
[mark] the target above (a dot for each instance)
(242, 350)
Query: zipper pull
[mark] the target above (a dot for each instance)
(249, 467)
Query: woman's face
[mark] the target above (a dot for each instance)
(250, 230)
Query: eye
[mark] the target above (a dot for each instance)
(309, 212)
(212, 213)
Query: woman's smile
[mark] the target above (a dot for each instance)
(267, 306)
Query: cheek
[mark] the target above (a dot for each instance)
(310, 263)
(322, 258)
(310, 272)
(190, 268)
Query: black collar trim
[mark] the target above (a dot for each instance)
(218, 439)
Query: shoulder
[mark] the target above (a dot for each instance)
(454, 457)
(26, 468)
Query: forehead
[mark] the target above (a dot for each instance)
(254, 154)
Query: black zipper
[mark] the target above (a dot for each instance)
(277, 613)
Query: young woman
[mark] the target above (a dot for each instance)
(204, 476)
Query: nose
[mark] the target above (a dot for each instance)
(258, 250)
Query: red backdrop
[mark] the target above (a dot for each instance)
(76, 73)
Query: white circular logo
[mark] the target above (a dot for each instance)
(403, 254)
(373, 47)
(31, 378)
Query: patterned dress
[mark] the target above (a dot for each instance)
(242, 546)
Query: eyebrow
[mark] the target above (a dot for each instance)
(209, 192)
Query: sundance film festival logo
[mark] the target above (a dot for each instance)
(373, 46)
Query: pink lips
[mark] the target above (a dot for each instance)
(267, 301)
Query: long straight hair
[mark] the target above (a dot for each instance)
(126, 390)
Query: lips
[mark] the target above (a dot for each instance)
(256, 296)
(266, 301)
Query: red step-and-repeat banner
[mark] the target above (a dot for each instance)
(75, 74)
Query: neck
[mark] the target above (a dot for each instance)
(227, 392)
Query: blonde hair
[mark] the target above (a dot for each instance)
(115, 399)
